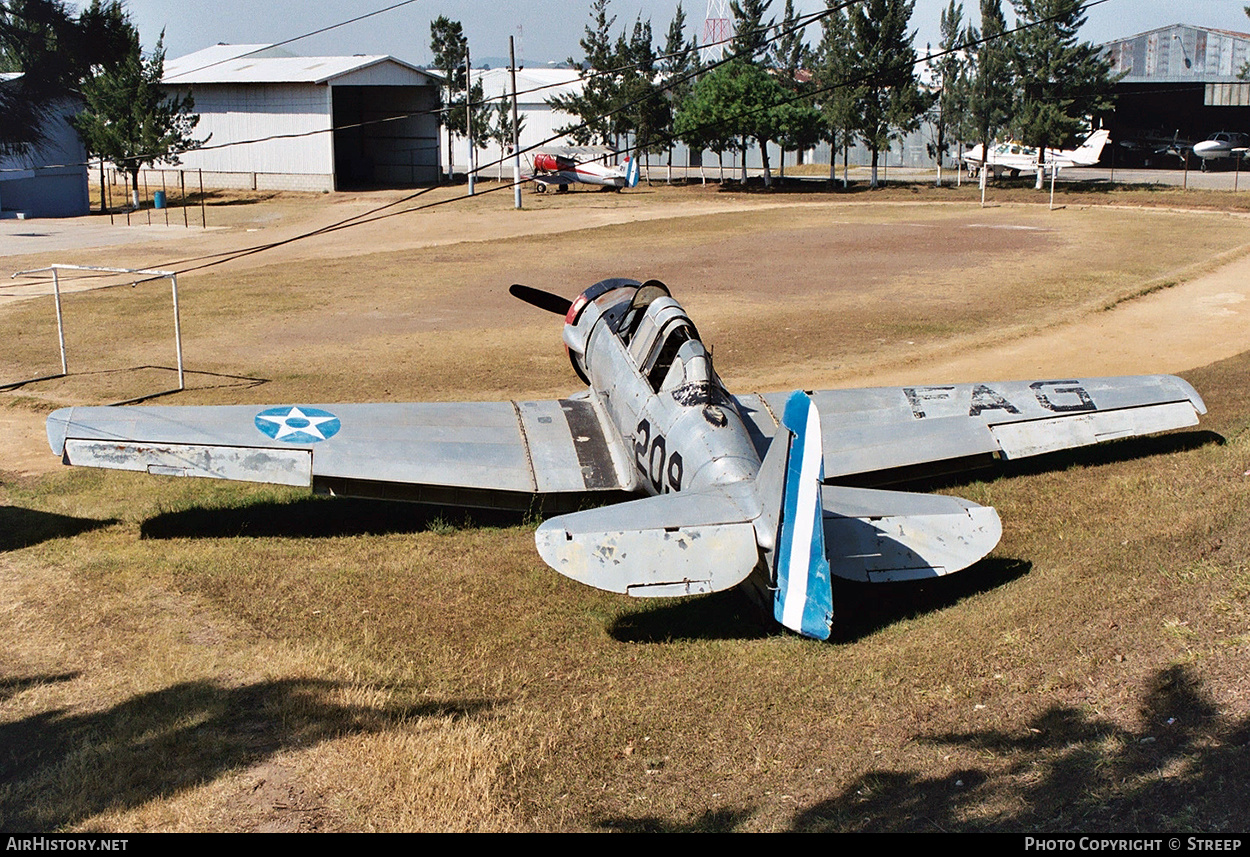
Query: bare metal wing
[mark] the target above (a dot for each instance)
(877, 434)
(489, 454)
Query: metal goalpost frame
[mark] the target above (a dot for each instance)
(147, 275)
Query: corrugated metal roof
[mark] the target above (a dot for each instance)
(1179, 53)
(534, 85)
(256, 64)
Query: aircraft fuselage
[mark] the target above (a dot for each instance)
(652, 376)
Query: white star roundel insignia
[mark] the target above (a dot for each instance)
(298, 424)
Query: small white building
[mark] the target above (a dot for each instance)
(49, 180)
(284, 122)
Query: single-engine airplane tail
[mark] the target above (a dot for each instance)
(784, 533)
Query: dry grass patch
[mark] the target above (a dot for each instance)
(769, 288)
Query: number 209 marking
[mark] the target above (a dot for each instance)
(662, 470)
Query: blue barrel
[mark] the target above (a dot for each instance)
(158, 199)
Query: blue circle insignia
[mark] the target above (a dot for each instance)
(298, 424)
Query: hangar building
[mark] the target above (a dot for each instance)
(1180, 83)
(312, 123)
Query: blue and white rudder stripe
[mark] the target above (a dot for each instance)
(804, 598)
(631, 172)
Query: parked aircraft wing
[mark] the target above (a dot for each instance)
(875, 434)
(475, 453)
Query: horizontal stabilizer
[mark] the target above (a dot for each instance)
(885, 536)
(673, 544)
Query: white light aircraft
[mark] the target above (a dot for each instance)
(1221, 145)
(573, 165)
(708, 489)
(1014, 157)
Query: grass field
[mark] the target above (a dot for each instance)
(186, 655)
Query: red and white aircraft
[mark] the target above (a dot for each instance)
(563, 167)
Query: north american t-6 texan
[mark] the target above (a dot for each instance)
(704, 490)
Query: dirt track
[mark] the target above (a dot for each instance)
(1170, 330)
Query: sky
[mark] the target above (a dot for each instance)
(548, 30)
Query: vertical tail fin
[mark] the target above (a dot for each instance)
(789, 482)
(631, 172)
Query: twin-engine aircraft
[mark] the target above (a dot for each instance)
(1014, 157)
(1222, 145)
(729, 490)
(573, 165)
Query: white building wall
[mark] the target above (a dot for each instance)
(539, 120)
(291, 122)
(51, 179)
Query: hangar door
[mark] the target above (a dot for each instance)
(384, 136)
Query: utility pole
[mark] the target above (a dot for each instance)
(516, 136)
(468, 114)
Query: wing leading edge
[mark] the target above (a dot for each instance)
(879, 435)
(477, 454)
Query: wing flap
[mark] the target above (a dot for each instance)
(1035, 437)
(276, 466)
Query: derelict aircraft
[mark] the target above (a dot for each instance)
(737, 489)
(572, 165)
(1014, 157)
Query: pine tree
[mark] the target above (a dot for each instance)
(990, 85)
(55, 53)
(130, 120)
(890, 102)
(451, 48)
(600, 95)
(678, 64)
(645, 113)
(500, 129)
(1061, 82)
(949, 75)
(790, 57)
(750, 29)
(838, 95)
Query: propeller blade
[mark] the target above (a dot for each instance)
(543, 300)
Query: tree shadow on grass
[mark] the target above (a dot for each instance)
(12, 686)
(21, 528)
(62, 768)
(1069, 770)
(711, 821)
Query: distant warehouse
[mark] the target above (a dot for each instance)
(1180, 84)
(285, 122)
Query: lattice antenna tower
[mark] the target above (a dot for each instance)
(717, 30)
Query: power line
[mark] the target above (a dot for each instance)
(380, 212)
